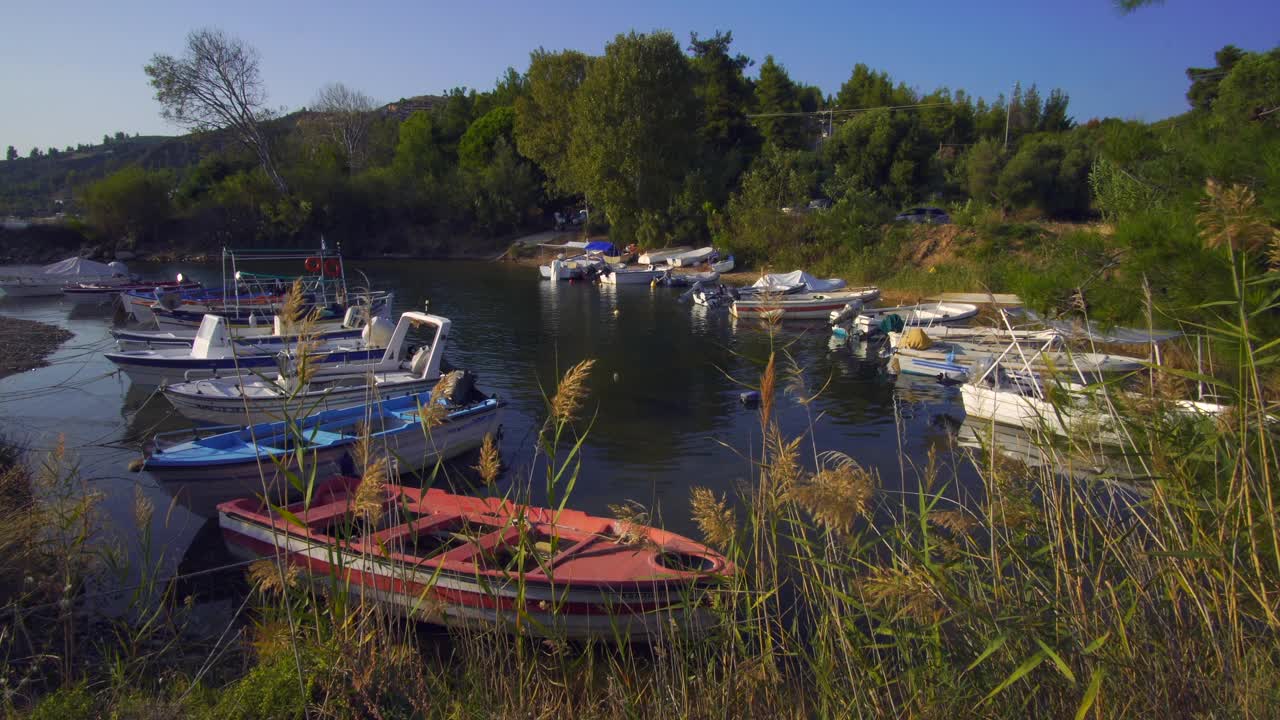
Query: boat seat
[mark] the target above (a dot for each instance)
(483, 544)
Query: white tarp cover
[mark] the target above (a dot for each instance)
(80, 267)
(797, 277)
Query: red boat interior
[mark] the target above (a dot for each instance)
(434, 528)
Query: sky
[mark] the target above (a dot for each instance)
(72, 71)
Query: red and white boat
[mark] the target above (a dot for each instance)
(467, 561)
(801, 306)
(99, 293)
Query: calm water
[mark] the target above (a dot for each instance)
(664, 393)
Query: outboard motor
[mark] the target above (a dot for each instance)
(847, 313)
(555, 269)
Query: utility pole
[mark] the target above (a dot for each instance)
(1008, 112)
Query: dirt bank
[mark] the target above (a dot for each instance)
(27, 344)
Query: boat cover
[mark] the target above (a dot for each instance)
(83, 267)
(603, 247)
(916, 339)
(797, 277)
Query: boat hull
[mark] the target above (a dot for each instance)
(815, 306)
(629, 277)
(144, 369)
(253, 410)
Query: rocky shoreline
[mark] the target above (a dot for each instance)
(27, 344)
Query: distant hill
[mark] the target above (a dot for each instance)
(46, 185)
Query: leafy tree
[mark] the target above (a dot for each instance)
(723, 90)
(1054, 118)
(884, 151)
(452, 118)
(417, 153)
(867, 88)
(635, 133)
(130, 202)
(11, 153)
(544, 117)
(1251, 91)
(1205, 81)
(982, 170)
(35, 153)
(477, 145)
(511, 86)
(216, 85)
(1048, 172)
(504, 189)
(777, 96)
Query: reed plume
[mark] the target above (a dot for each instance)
(956, 521)
(1230, 217)
(490, 461)
(836, 496)
(715, 518)
(267, 576)
(631, 519)
(909, 591)
(371, 495)
(571, 392)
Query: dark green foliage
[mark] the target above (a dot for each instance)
(132, 202)
(544, 115)
(776, 96)
(1205, 81)
(635, 136)
(11, 153)
(477, 145)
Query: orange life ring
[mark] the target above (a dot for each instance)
(332, 268)
(312, 264)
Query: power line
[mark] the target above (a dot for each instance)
(824, 113)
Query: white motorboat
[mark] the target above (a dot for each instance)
(571, 268)
(916, 353)
(981, 335)
(723, 266)
(854, 320)
(801, 306)
(691, 258)
(351, 326)
(657, 257)
(50, 279)
(1022, 399)
(250, 399)
(673, 279)
(214, 353)
(630, 276)
(794, 281)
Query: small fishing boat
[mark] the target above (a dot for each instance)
(49, 280)
(793, 282)
(574, 268)
(214, 353)
(982, 335)
(629, 276)
(350, 327)
(674, 279)
(723, 266)
(243, 460)
(102, 293)
(916, 353)
(1022, 399)
(801, 306)
(658, 257)
(252, 399)
(465, 561)
(855, 320)
(691, 258)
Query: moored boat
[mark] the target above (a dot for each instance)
(49, 280)
(102, 293)
(239, 460)
(855, 320)
(252, 399)
(629, 276)
(801, 306)
(657, 257)
(691, 257)
(483, 562)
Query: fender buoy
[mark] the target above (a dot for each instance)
(332, 268)
(312, 264)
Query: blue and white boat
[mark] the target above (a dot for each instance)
(229, 461)
(214, 353)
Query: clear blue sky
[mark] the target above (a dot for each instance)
(71, 71)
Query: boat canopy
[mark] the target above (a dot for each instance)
(798, 277)
(84, 267)
(1095, 332)
(603, 247)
